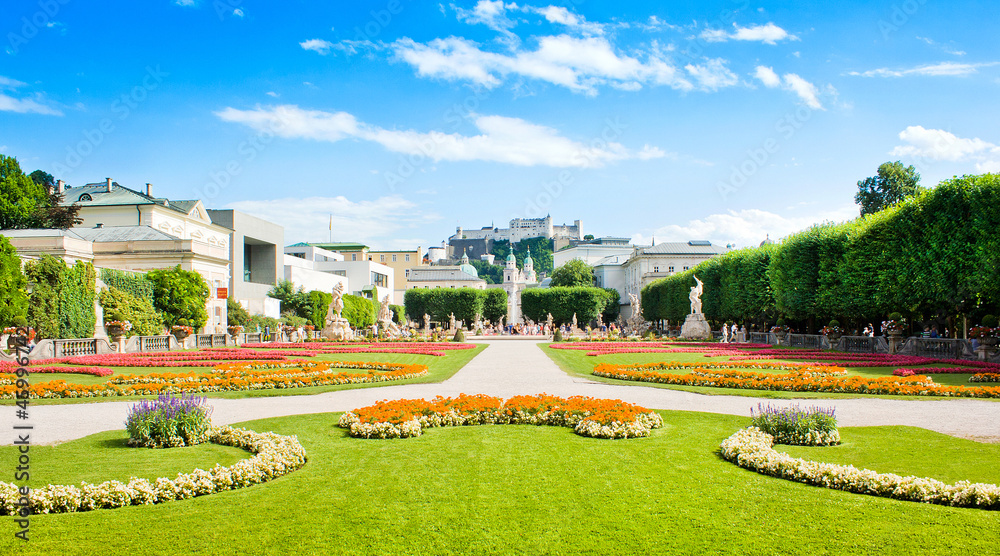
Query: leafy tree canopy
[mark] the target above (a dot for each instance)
(574, 273)
(893, 183)
(180, 295)
(20, 197)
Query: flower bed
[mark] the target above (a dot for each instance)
(793, 425)
(169, 422)
(587, 416)
(985, 377)
(93, 371)
(437, 349)
(798, 379)
(274, 456)
(237, 376)
(752, 449)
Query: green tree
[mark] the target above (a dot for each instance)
(236, 315)
(293, 301)
(76, 301)
(123, 306)
(42, 178)
(20, 197)
(13, 284)
(319, 305)
(45, 276)
(180, 296)
(893, 183)
(574, 273)
(359, 311)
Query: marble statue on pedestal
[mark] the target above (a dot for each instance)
(337, 327)
(695, 326)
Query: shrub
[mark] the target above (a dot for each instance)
(359, 311)
(168, 422)
(236, 315)
(398, 315)
(459, 336)
(834, 323)
(557, 337)
(989, 321)
(814, 426)
(134, 283)
(180, 295)
(896, 316)
(781, 322)
(14, 301)
(120, 305)
(76, 301)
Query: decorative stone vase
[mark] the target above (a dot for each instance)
(234, 330)
(895, 337)
(180, 334)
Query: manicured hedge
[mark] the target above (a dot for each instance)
(359, 311)
(440, 303)
(62, 298)
(563, 303)
(937, 253)
(135, 283)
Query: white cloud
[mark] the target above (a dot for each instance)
(767, 34)
(952, 69)
(378, 223)
(184, 2)
(579, 64)
(238, 13)
(649, 152)
(713, 75)
(941, 145)
(501, 139)
(272, 94)
(746, 227)
(490, 14)
(317, 45)
(562, 16)
(24, 105)
(804, 89)
(767, 76)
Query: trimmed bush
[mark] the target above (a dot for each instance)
(989, 321)
(585, 302)
(459, 336)
(120, 305)
(359, 311)
(557, 337)
(14, 301)
(180, 296)
(135, 283)
(168, 422)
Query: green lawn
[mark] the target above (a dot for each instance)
(577, 363)
(439, 368)
(527, 490)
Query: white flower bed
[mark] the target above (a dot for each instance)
(640, 427)
(275, 455)
(751, 448)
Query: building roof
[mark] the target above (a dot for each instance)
(340, 246)
(611, 260)
(97, 195)
(696, 247)
(445, 273)
(40, 232)
(109, 234)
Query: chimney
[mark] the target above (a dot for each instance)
(60, 187)
(149, 190)
(109, 184)
(99, 225)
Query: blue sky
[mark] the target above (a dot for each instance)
(675, 120)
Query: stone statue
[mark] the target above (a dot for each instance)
(500, 323)
(695, 326)
(695, 296)
(337, 327)
(477, 323)
(636, 323)
(548, 321)
(337, 305)
(725, 333)
(574, 321)
(385, 322)
(451, 321)
(427, 322)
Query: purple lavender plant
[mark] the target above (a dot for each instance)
(169, 421)
(794, 425)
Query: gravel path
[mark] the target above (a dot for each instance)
(507, 368)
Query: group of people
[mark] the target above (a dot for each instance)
(733, 334)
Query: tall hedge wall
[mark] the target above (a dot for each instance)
(62, 298)
(563, 302)
(135, 283)
(359, 311)
(440, 303)
(937, 254)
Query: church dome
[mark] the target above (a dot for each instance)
(511, 258)
(527, 260)
(469, 269)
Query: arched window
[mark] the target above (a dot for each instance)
(85, 197)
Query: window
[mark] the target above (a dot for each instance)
(685, 268)
(247, 265)
(381, 258)
(394, 258)
(380, 280)
(406, 257)
(354, 256)
(85, 197)
(670, 268)
(656, 269)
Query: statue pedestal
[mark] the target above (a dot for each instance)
(339, 329)
(696, 327)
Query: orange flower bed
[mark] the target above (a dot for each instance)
(230, 377)
(587, 416)
(799, 378)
